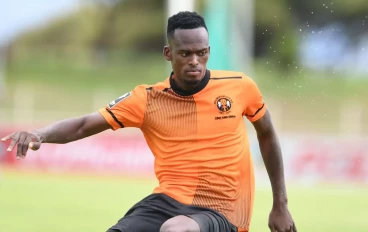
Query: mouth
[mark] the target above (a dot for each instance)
(193, 72)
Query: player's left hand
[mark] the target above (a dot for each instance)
(280, 220)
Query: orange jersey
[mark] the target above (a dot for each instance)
(198, 138)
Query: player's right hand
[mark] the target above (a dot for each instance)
(24, 140)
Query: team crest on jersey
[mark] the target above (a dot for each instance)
(223, 104)
(116, 101)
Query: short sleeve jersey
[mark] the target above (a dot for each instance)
(198, 139)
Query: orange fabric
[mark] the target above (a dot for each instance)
(200, 144)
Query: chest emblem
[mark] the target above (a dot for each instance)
(223, 104)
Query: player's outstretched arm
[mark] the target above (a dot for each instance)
(280, 219)
(61, 132)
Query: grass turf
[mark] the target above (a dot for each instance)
(44, 203)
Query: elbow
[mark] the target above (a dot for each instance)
(269, 132)
(81, 130)
(76, 132)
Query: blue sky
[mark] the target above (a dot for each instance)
(17, 16)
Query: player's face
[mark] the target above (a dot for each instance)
(188, 52)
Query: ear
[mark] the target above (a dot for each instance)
(167, 53)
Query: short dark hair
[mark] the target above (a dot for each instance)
(184, 20)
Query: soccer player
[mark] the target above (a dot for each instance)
(193, 124)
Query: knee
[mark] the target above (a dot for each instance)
(180, 224)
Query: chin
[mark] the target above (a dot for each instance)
(192, 81)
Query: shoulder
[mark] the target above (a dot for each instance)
(143, 88)
(229, 75)
(234, 77)
(136, 97)
(138, 93)
(225, 75)
(159, 85)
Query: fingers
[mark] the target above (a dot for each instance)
(25, 146)
(34, 145)
(6, 138)
(15, 138)
(24, 141)
(294, 228)
(274, 228)
(21, 141)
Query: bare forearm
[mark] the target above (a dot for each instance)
(272, 157)
(73, 129)
(61, 132)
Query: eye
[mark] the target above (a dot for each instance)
(202, 53)
(184, 54)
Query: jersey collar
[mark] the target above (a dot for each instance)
(199, 87)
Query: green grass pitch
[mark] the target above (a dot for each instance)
(59, 203)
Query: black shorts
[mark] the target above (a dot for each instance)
(149, 214)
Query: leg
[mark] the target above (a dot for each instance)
(148, 221)
(180, 224)
(143, 217)
(210, 221)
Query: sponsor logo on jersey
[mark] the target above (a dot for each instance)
(116, 101)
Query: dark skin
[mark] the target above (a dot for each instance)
(188, 51)
(61, 132)
(280, 219)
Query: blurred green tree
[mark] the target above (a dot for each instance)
(104, 28)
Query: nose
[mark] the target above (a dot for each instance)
(194, 60)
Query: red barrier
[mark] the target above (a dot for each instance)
(99, 154)
(321, 159)
(331, 159)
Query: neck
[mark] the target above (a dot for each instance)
(185, 86)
